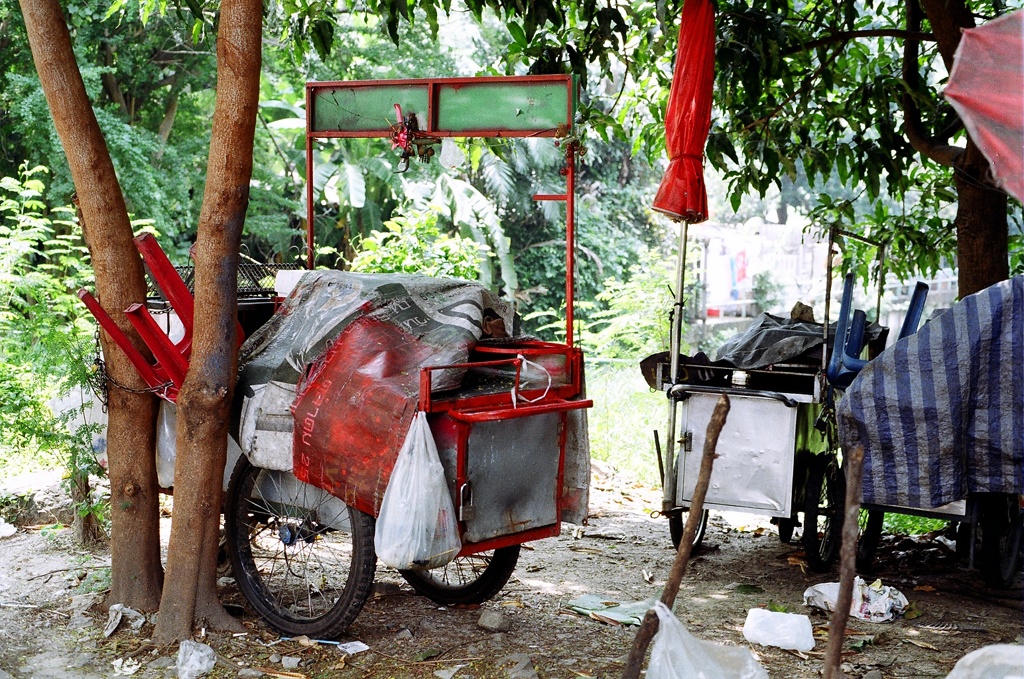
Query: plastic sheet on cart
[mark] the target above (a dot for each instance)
(354, 344)
(941, 413)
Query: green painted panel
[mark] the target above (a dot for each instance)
(523, 107)
(355, 109)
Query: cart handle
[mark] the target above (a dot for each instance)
(683, 391)
(427, 371)
(521, 411)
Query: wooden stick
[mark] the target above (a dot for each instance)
(675, 576)
(847, 566)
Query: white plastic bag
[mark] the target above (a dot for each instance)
(784, 630)
(679, 655)
(999, 661)
(874, 603)
(166, 443)
(416, 528)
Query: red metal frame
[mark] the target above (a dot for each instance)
(167, 374)
(433, 88)
(466, 412)
(153, 375)
(431, 403)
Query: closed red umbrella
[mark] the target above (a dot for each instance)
(682, 194)
(986, 87)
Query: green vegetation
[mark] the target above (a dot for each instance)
(414, 244)
(626, 413)
(46, 340)
(905, 524)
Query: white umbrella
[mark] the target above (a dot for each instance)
(986, 87)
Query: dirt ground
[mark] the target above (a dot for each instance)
(623, 555)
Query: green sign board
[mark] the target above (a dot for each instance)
(524, 106)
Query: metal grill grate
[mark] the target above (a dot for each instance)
(254, 279)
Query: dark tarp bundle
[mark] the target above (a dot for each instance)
(769, 340)
(941, 413)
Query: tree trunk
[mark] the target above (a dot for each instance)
(204, 402)
(135, 537)
(981, 228)
(84, 526)
(982, 234)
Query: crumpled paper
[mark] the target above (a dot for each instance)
(873, 603)
(119, 612)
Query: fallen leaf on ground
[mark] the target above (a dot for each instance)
(604, 619)
(912, 611)
(924, 588)
(921, 644)
(585, 550)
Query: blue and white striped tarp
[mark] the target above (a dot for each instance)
(941, 413)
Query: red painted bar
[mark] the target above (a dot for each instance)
(173, 363)
(521, 411)
(145, 370)
(169, 282)
(570, 239)
(508, 540)
(310, 232)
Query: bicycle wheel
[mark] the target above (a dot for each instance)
(471, 579)
(1001, 535)
(302, 558)
(823, 512)
(676, 525)
(870, 534)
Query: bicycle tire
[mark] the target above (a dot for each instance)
(302, 564)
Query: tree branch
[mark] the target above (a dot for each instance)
(170, 112)
(847, 36)
(934, 148)
(649, 626)
(847, 564)
(110, 85)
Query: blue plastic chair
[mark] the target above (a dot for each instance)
(846, 363)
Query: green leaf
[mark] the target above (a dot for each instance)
(518, 35)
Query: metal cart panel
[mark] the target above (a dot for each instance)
(754, 468)
(513, 470)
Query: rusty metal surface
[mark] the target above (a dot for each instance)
(512, 466)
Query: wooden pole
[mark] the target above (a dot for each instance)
(847, 566)
(675, 576)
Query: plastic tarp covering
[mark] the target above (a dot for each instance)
(941, 413)
(770, 339)
(353, 344)
(986, 87)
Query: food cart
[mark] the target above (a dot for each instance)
(329, 384)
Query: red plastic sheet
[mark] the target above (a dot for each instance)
(986, 87)
(353, 410)
(682, 193)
